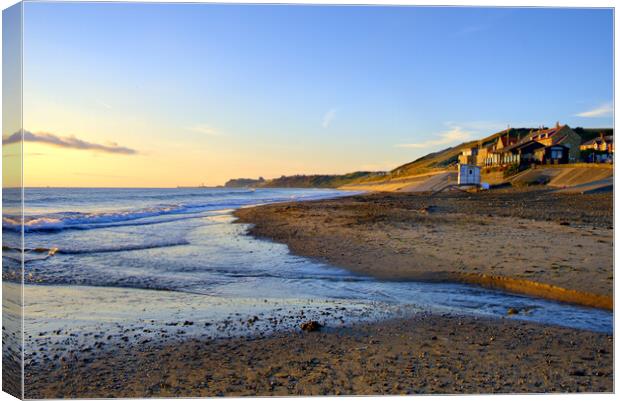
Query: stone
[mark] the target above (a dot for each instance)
(311, 325)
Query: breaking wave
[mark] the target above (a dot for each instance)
(85, 221)
(73, 220)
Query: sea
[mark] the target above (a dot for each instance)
(101, 259)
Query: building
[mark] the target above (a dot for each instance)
(554, 154)
(523, 152)
(487, 154)
(601, 144)
(495, 152)
(556, 145)
(559, 135)
(468, 175)
(468, 156)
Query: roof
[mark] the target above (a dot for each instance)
(545, 133)
(541, 134)
(524, 145)
(559, 140)
(599, 140)
(507, 141)
(504, 139)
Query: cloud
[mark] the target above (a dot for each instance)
(100, 175)
(603, 110)
(472, 29)
(454, 135)
(478, 126)
(488, 21)
(383, 166)
(69, 142)
(103, 104)
(204, 129)
(328, 118)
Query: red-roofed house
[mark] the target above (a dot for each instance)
(558, 145)
(559, 135)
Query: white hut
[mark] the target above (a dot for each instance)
(469, 175)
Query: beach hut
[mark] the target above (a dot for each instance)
(469, 175)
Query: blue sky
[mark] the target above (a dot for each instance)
(220, 91)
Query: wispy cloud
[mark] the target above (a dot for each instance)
(100, 175)
(472, 29)
(452, 136)
(458, 132)
(383, 166)
(328, 118)
(204, 129)
(103, 104)
(478, 127)
(70, 142)
(486, 22)
(604, 110)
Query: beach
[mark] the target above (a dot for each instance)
(531, 241)
(425, 354)
(124, 326)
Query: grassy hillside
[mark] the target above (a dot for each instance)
(447, 157)
(306, 181)
(244, 182)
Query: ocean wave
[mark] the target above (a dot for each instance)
(136, 195)
(15, 253)
(31, 254)
(78, 220)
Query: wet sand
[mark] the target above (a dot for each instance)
(424, 354)
(535, 242)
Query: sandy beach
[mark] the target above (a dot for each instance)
(534, 236)
(423, 354)
(536, 242)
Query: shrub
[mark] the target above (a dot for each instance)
(511, 170)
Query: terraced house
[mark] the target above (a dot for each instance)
(556, 145)
(601, 144)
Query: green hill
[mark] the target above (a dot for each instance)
(447, 157)
(244, 182)
(305, 181)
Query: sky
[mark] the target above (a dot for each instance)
(160, 95)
